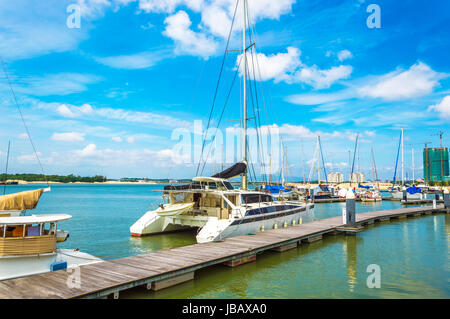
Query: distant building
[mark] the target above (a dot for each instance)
(435, 164)
(335, 177)
(357, 177)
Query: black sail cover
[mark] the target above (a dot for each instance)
(233, 171)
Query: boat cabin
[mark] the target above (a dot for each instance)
(29, 235)
(214, 197)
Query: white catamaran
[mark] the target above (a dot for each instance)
(213, 205)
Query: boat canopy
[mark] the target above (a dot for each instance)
(21, 200)
(276, 189)
(362, 186)
(233, 171)
(321, 188)
(413, 190)
(33, 219)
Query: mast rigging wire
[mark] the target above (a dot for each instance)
(23, 121)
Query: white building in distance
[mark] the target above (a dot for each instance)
(335, 177)
(357, 177)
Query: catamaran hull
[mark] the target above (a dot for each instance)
(212, 228)
(152, 223)
(252, 224)
(20, 266)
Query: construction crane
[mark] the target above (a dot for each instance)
(440, 133)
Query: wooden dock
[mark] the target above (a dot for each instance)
(420, 201)
(168, 267)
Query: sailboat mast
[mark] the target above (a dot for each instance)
(244, 180)
(412, 155)
(282, 165)
(403, 177)
(318, 160)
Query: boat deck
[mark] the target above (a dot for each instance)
(163, 268)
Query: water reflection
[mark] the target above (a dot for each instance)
(350, 251)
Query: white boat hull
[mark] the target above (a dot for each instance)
(212, 228)
(399, 195)
(219, 229)
(20, 266)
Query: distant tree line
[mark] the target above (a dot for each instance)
(54, 178)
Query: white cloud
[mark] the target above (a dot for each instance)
(109, 157)
(320, 79)
(186, 40)
(28, 157)
(443, 108)
(131, 139)
(23, 136)
(72, 111)
(288, 67)
(168, 6)
(344, 54)
(275, 66)
(419, 80)
(318, 98)
(141, 60)
(55, 84)
(141, 117)
(68, 137)
(34, 28)
(89, 150)
(217, 20)
(117, 139)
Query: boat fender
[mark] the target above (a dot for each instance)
(58, 265)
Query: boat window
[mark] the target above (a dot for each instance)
(256, 198)
(228, 185)
(212, 185)
(33, 230)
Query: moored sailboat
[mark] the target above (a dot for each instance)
(219, 210)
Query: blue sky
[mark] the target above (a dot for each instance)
(105, 98)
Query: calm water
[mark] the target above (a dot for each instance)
(413, 255)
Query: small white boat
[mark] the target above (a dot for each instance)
(28, 243)
(371, 196)
(174, 209)
(28, 246)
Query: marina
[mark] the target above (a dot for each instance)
(165, 268)
(171, 146)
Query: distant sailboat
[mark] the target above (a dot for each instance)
(411, 192)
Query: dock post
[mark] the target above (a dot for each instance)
(434, 203)
(349, 213)
(436, 196)
(446, 196)
(311, 195)
(405, 195)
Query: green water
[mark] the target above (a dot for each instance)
(413, 254)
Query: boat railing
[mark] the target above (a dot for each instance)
(31, 245)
